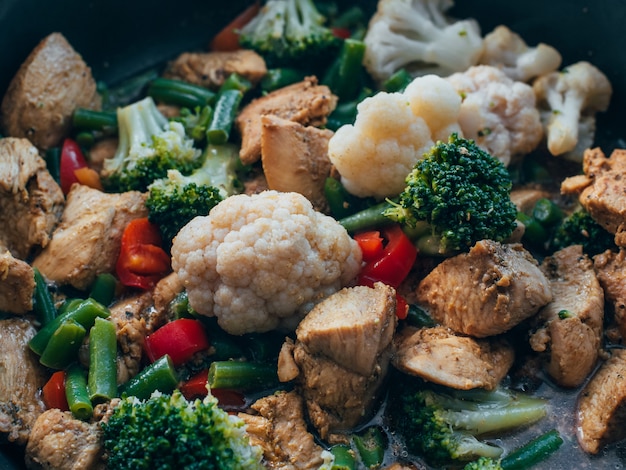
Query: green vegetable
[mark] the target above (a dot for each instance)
(224, 115)
(103, 288)
(62, 349)
(344, 457)
(76, 392)
(535, 233)
(160, 375)
(102, 377)
(581, 229)
(398, 81)
(370, 445)
(235, 82)
(180, 93)
(242, 375)
(281, 77)
(373, 216)
(418, 317)
(43, 305)
(462, 192)
(167, 431)
(547, 213)
(195, 122)
(345, 75)
(92, 120)
(53, 162)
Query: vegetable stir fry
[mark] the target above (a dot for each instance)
(336, 239)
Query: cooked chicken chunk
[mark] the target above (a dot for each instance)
(31, 202)
(439, 355)
(573, 340)
(610, 269)
(17, 284)
(525, 198)
(601, 409)
(295, 158)
(280, 429)
(52, 82)
(87, 242)
(60, 441)
(485, 292)
(601, 190)
(304, 102)
(22, 378)
(210, 69)
(342, 353)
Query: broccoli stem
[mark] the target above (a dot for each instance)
(242, 375)
(533, 452)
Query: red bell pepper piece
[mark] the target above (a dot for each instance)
(72, 159)
(53, 392)
(371, 244)
(343, 33)
(402, 307)
(142, 262)
(181, 339)
(228, 38)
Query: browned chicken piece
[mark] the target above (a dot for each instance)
(279, 428)
(525, 198)
(441, 356)
(17, 284)
(610, 269)
(165, 291)
(210, 69)
(22, 378)
(485, 292)
(52, 82)
(342, 352)
(601, 190)
(101, 151)
(87, 242)
(295, 158)
(304, 102)
(60, 441)
(255, 184)
(401, 466)
(573, 340)
(31, 202)
(601, 410)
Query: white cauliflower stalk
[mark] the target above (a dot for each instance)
(261, 262)
(569, 101)
(507, 50)
(497, 112)
(418, 36)
(391, 133)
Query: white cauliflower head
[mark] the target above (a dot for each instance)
(497, 112)
(418, 36)
(392, 131)
(261, 262)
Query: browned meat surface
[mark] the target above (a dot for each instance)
(295, 158)
(304, 102)
(342, 352)
(610, 269)
(257, 183)
(210, 69)
(279, 428)
(87, 242)
(601, 409)
(17, 284)
(52, 82)
(485, 292)
(573, 343)
(601, 190)
(31, 202)
(165, 291)
(525, 198)
(21, 378)
(59, 441)
(439, 355)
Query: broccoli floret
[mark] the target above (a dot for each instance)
(167, 431)
(173, 201)
(484, 463)
(148, 147)
(462, 192)
(580, 228)
(290, 33)
(444, 426)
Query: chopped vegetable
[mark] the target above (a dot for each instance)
(180, 339)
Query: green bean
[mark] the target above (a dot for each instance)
(350, 18)
(547, 213)
(223, 116)
(85, 139)
(243, 376)
(344, 457)
(128, 90)
(160, 375)
(345, 74)
(281, 77)
(340, 201)
(103, 288)
(418, 317)
(84, 312)
(92, 120)
(533, 452)
(180, 93)
(264, 347)
(76, 392)
(102, 377)
(534, 233)
(370, 444)
(236, 82)
(53, 162)
(43, 305)
(369, 218)
(398, 81)
(62, 348)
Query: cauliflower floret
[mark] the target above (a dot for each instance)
(506, 50)
(569, 101)
(261, 262)
(391, 133)
(416, 35)
(497, 112)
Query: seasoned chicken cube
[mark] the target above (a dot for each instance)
(610, 268)
(17, 284)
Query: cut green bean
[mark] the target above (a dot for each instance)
(92, 120)
(533, 452)
(76, 392)
(103, 288)
(344, 457)
(223, 116)
(128, 90)
(242, 375)
(534, 233)
(43, 305)
(370, 445)
(180, 93)
(102, 377)
(418, 317)
(369, 218)
(398, 81)
(280, 78)
(53, 163)
(236, 82)
(160, 375)
(547, 213)
(62, 348)
(84, 312)
(344, 76)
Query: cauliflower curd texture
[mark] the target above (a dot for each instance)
(261, 262)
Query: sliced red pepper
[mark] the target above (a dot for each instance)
(181, 339)
(343, 33)
(371, 244)
(402, 307)
(228, 38)
(53, 392)
(229, 400)
(142, 262)
(72, 159)
(196, 386)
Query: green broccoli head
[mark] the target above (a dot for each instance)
(580, 228)
(167, 431)
(484, 463)
(462, 192)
